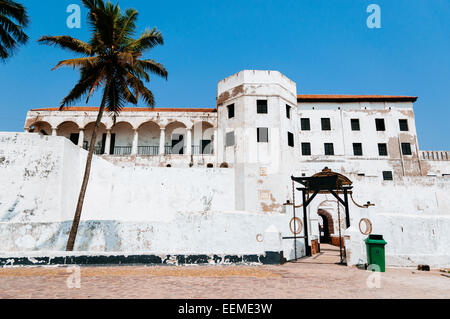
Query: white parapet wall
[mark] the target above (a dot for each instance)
(127, 209)
(192, 211)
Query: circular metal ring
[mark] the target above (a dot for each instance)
(296, 225)
(259, 238)
(368, 229)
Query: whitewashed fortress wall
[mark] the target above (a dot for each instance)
(209, 181)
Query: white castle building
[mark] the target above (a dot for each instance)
(217, 182)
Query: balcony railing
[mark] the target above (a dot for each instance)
(435, 155)
(148, 150)
(154, 150)
(122, 150)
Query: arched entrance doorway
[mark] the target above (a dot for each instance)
(326, 226)
(325, 182)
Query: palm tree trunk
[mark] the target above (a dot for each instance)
(76, 219)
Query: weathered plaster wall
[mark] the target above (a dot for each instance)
(127, 209)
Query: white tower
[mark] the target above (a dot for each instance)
(258, 137)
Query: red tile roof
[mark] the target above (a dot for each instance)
(355, 98)
(128, 109)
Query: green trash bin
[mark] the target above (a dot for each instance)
(375, 252)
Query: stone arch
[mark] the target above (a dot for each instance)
(149, 134)
(122, 135)
(69, 130)
(224, 165)
(88, 130)
(328, 225)
(41, 127)
(176, 138)
(202, 137)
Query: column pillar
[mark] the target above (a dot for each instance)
(162, 142)
(215, 142)
(189, 142)
(81, 138)
(108, 142)
(54, 131)
(134, 149)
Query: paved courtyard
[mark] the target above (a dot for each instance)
(316, 277)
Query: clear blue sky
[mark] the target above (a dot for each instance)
(324, 46)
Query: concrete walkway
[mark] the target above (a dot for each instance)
(314, 277)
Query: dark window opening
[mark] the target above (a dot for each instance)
(406, 149)
(329, 149)
(263, 134)
(355, 125)
(357, 149)
(326, 124)
(382, 150)
(74, 138)
(206, 146)
(290, 139)
(288, 111)
(230, 111)
(379, 123)
(403, 125)
(387, 176)
(261, 107)
(306, 149)
(178, 144)
(305, 124)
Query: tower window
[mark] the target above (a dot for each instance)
(326, 124)
(230, 139)
(379, 123)
(357, 149)
(263, 134)
(387, 176)
(329, 149)
(261, 107)
(290, 139)
(288, 111)
(382, 150)
(305, 124)
(306, 149)
(230, 111)
(403, 125)
(406, 149)
(355, 125)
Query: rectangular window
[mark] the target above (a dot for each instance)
(355, 125)
(306, 149)
(382, 150)
(305, 124)
(230, 111)
(357, 149)
(379, 123)
(261, 107)
(329, 149)
(230, 139)
(387, 176)
(290, 139)
(263, 134)
(288, 111)
(326, 124)
(403, 125)
(406, 149)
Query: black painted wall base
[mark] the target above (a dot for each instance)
(269, 258)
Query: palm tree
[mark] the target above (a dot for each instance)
(11, 33)
(112, 61)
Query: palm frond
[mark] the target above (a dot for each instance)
(68, 43)
(78, 63)
(14, 10)
(148, 40)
